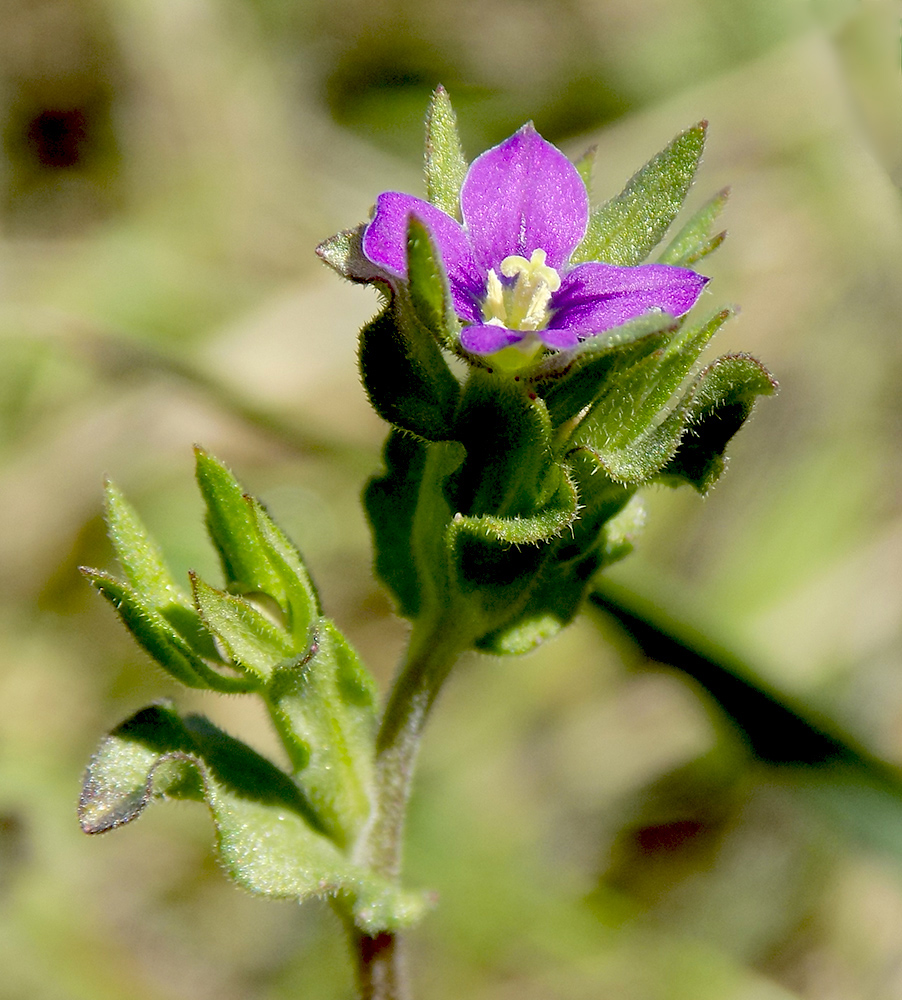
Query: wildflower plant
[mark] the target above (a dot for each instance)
(504, 491)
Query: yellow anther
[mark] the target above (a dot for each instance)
(523, 305)
(533, 271)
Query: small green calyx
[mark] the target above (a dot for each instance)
(515, 357)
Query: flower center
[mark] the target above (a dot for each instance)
(522, 304)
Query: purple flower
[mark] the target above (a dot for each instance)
(525, 209)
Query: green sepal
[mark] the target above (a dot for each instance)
(445, 163)
(146, 571)
(267, 835)
(405, 375)
(570, 382)
(232, 528)
(626, 229)
(343, 252)
(158, 637)
(695, 239)
(719, 403)
(251, 639)
(323, 703)
(430, 299)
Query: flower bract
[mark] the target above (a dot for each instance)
(525, 209)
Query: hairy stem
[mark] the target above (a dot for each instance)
(432, 652)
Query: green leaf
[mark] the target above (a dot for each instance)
(644, 456)
(232, 528)
(550, 520)
(322, 701)
(687, 445)
(301, 597)
(405, 375)
(144, 568)
(445, 163)
(695, 240)
(498, 560)
(625, 414)
(676, 362)
(267, 834)
(506, 431)
(250, 637)
(138, 553)
(716, 407)
(601, 502)
(560, 586)
(324, 704)
(501, 565)
(626, 229)
(158, 638)
(391, 505)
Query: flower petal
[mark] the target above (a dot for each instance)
(385, 244)
(558, 339)
(488, 338)
(520, 196)
(597, 297)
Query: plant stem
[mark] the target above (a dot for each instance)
(380, 969)
(433, 649)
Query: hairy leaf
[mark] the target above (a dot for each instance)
(157, 637)
(717, 406)
(233, 529)
(695, 239)
(626, 229)
(406, 378)
(324, 703)
(445, 163)
(267, 834)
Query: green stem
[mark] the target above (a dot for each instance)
(434, 648)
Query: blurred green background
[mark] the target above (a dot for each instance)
(592, 824)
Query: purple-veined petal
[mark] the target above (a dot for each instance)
(597, 297)
(488, 338)
(520, 196)
(385, 244)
